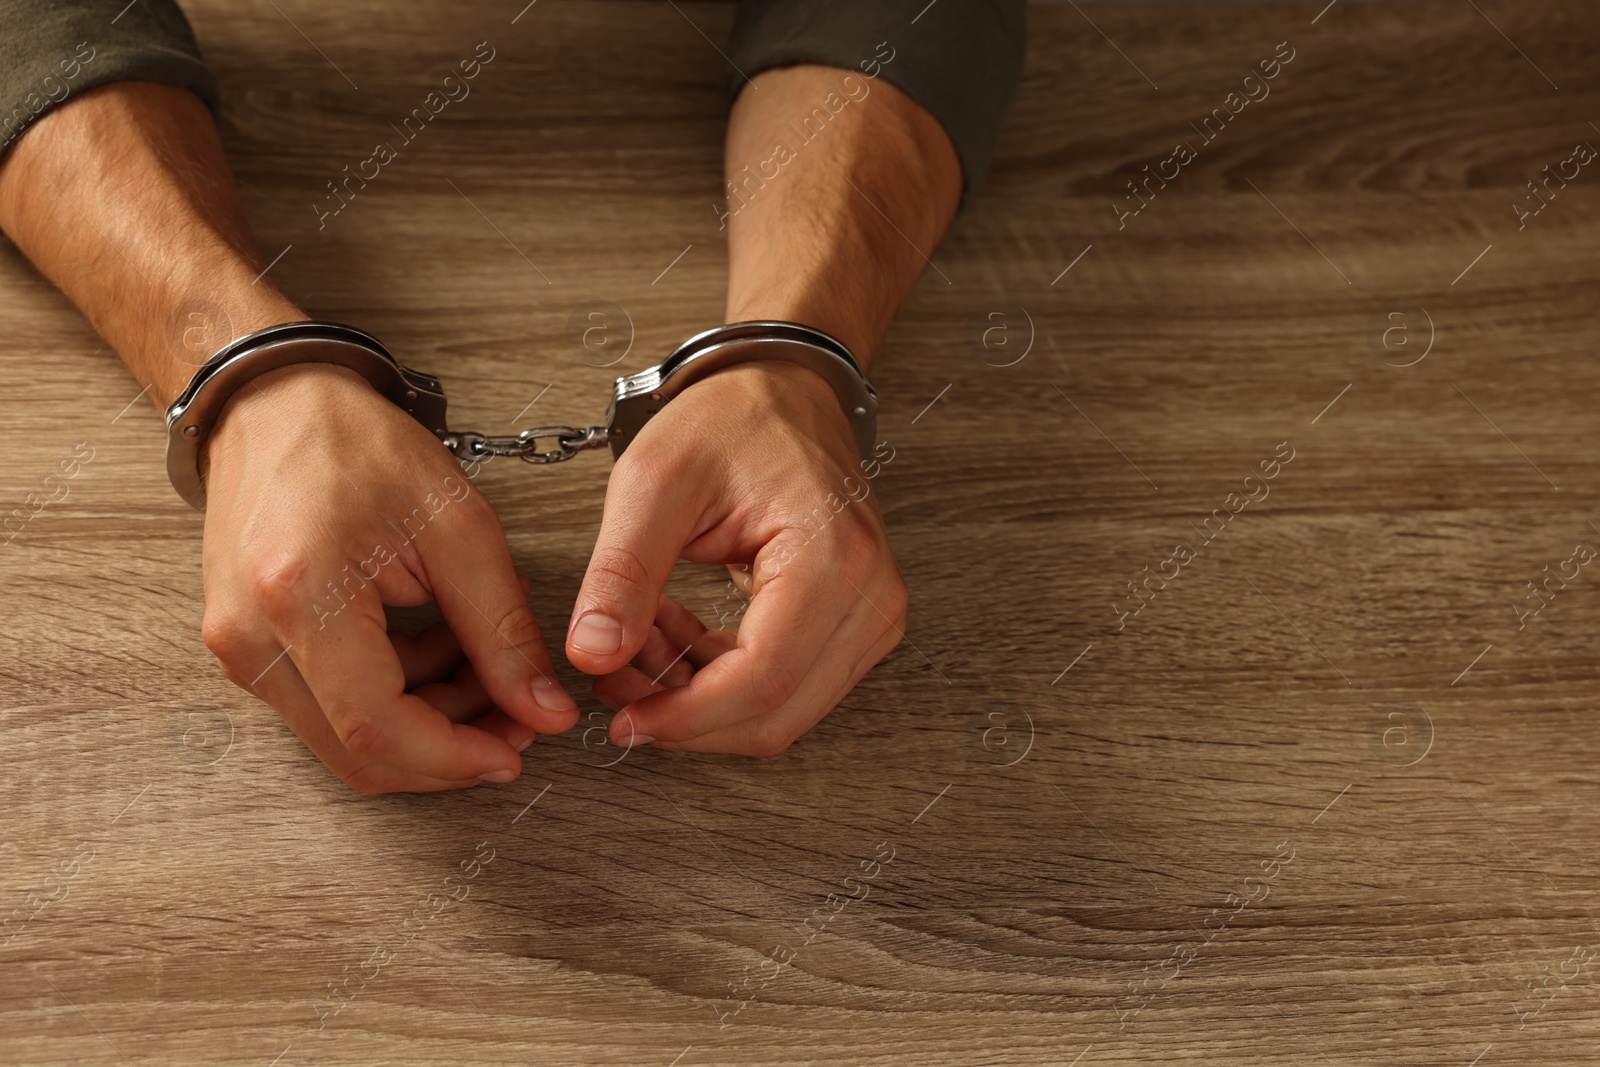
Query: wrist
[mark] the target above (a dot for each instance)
(209, 310)
(778, 391)
(819, 311)
(272, 405)
(206, 320)
(287, 417)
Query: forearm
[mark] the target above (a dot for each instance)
(833, 231)
(123, 198)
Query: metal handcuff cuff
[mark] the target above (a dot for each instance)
(635, 398)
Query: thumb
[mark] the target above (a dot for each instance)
(641, 534)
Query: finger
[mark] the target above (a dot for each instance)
(797, 608)
(665, 663)
(275, 679)
(623, 687)
(683, 628)
(743, 578)
(518, 735)
(642, 532)
(461, 698)
(354, 674)
(480, 596)
(767, 735)
(430, 656)
(680, 644)
(397, 587)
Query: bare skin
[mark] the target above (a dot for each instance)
(123, 198)
(835, 240)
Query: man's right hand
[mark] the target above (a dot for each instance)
(122, 197)
(324, 503)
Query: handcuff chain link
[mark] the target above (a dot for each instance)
(470, 446)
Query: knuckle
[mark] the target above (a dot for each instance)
(860, 551)
(223, 633)
(360, 735)
(277, 583)
(518, 629)
(619, 571)
(768, 739)
(772, 686)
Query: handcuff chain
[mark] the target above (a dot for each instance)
(470, 446)
(635, 398)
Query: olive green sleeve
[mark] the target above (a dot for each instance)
(959, 59)
(52, 50)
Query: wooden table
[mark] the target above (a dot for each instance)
(1324, 798)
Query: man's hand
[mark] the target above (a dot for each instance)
(754, 465)
(324, 503)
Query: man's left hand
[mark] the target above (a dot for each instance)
(755, 466)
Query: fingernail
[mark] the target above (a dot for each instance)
(549, 695)
(598, 634)
(500, 776)
(521, 738)
(625, 731)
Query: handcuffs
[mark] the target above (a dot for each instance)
(635, 398)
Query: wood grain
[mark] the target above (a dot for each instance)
(1340, 677)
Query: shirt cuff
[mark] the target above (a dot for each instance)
(52, 50)
(960, 60)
